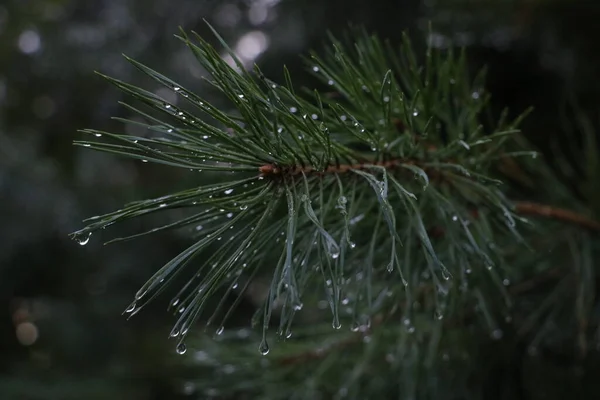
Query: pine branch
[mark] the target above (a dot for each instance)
(338, 193)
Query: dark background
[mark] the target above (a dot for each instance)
(62, 335)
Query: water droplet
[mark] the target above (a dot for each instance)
(228, 191)
(188, 388)
(144, 160)
(315, 68)
(439, 315)
(199, 227)
(181, 348)
(288, 334)
(506, 282)
(336, 324)
(130, 308)
(228, 369)
(454, 218)
(445, 274)
(83, 239)
(386, 99)
(330, 82)
(177, 89)
(497, 334)
(174, 333)
(263, 348)
(220, 330)
(293, 109)
(229, 215)
(475, 95)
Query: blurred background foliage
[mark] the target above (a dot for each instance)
(62, 335)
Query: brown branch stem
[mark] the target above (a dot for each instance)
(544, 210)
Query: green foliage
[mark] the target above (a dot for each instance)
(381, 200)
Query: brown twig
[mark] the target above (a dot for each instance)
(543, 210)
(271, 169)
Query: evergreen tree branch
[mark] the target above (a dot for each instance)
(327, 192)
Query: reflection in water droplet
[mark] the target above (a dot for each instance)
(181, 348)
(220, 330)
(336, 323)
(130, 308)
(446, 274)
(264, 347)
(83, 238)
